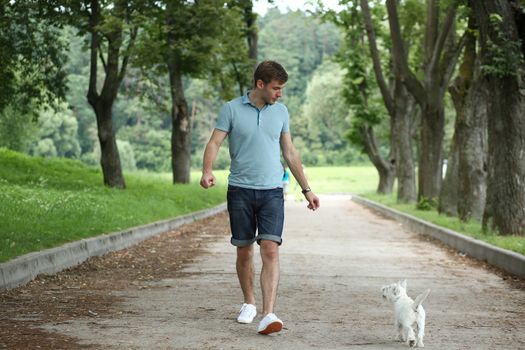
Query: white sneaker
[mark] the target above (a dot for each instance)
(247, 313)
(270, 324)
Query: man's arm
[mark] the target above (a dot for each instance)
(293, 160)
(210, 153)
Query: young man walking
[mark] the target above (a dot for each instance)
(258, 128)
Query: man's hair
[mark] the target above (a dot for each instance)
(268, 71)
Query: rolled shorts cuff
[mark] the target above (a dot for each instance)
(242, 242)
(268, 237)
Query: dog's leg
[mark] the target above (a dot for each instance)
(411, 336)
(420, 319)
(400, 334)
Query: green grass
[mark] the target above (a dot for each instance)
(46, 202)
(363, 180)
(471, 228)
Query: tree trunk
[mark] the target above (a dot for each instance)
(440, 59)
(109, 155)
(431, 153)
(181, 128)
(386, 170)
(400, 108)
(472, 186)
(449, 196)
(103, 103)
(181, 123)
(402, 139)
(252, 36)
(505, 207)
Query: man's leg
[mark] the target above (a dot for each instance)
(269, 274)
(246, 272)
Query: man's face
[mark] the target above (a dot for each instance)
(272, 91)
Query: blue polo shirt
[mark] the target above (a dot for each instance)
(253, 136)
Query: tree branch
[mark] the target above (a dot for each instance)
(101, 55)
(132, 37)
(431, 28)
(442, 37)
(387, 97)
(400, 62)
(449, 63)
(94, 19)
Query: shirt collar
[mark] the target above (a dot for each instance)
(246, 100)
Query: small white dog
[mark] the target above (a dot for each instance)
(408, 312)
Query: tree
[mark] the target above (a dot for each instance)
(359, 84)
(180, 40)
(233, 62)
(32, 57)
(16, 128)
(400, 107)
(327, 113)
(300, 42)
(57, 133)
(113, 26)
(464, 188)
(109, 23)
(441, 51)
(502, 40)
(31, 68)
(251, 33)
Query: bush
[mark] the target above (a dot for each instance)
(427, 204)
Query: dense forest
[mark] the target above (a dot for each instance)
(430, 92)
(141, 114)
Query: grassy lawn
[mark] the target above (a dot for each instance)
(48, 202)
(363, 180)
(471, 228)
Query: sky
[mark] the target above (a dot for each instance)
(262, 6)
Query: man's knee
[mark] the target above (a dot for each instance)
(245, 254)
(269, 250)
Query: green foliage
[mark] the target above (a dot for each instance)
(151, 146)
(77, 85)
(302, 43)
(325, 109)
(32, 57)
(505, 57)
(360, 89)
(47, 202)
(16, 129)
(426, 204)
(127, 156)
(57, 133)
(230, 65)
(199, 38)
(298, 41)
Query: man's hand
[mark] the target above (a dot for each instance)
(313, 201)
(208, 180)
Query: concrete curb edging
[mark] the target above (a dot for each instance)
(507, 260)
(25, 268)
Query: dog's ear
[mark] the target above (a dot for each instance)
(404, 284)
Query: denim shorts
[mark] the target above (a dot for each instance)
(252, 211)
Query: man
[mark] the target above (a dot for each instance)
(257, 125)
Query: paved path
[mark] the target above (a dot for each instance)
(333, 264)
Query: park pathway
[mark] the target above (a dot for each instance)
(333, 264)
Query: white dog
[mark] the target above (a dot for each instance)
(408, 312)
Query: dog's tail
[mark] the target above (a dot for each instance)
(419, 299)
